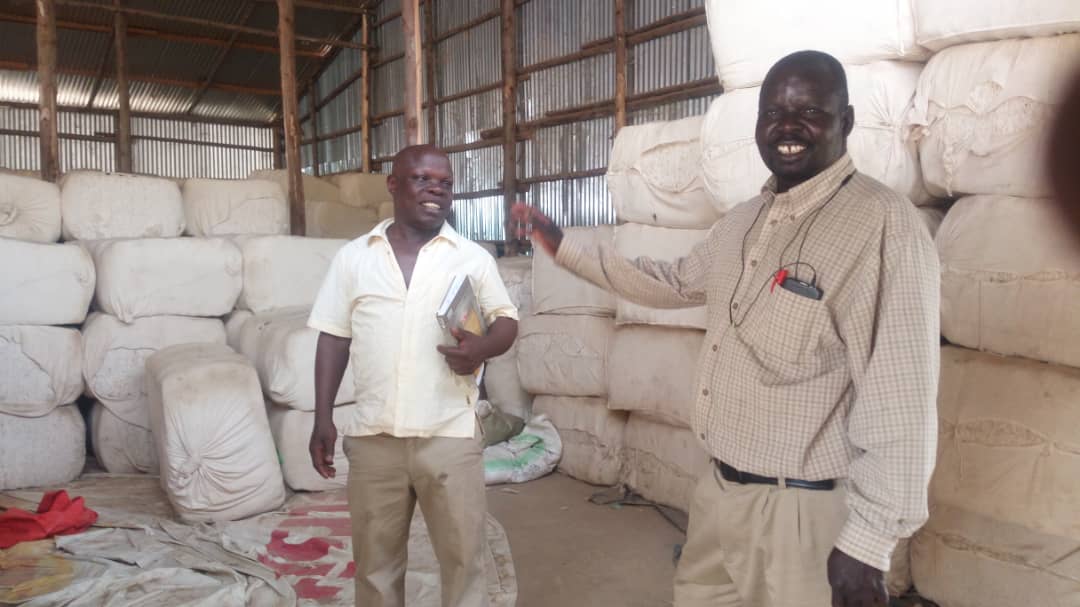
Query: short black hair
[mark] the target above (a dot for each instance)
(815, 61)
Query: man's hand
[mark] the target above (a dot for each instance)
(323, 437)
(530, 221)
(854, 583)
(467, 355)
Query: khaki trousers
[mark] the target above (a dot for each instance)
(387, 477)
(758, 545)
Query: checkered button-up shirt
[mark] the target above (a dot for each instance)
(789, 386)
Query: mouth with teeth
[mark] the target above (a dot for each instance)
(790, 150)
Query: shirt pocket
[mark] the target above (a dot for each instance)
(789, 329)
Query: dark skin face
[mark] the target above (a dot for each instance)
(422, 186)
(802, 124)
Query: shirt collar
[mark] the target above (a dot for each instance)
(810, 193)
(447, 232)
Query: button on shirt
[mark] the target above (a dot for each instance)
(842, 387)
(404, 386)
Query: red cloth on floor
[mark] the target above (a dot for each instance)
(57, 514)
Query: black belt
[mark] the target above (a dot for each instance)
(735, 476)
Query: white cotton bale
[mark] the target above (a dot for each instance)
(962, 559)
(282, 348)
(654, 175)
(854, 31)
(1010, 281)
(234, 326)
(942, 24)
(96, 206)
(29, 209)
(933, 218)
(166, 276)
(40, 369)
(334, 220)
(120, 447)
(283, 271)
(363, 190)
(114, 357)
(42, 451)
(591, 434)
(564, 355)
(982, 115)
(501, 377)
(216, 453)
(634, 240)
(44, 284)
(386, 210)
(652, 370)
(315, 188)
(219, 207)
(292, 435)
(557, 291)
(662, 463)
(879, 145)
(516, 274)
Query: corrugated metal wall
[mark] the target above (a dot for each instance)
(552, 161)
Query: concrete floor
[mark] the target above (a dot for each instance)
(572, 553)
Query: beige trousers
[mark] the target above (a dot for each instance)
(758, 546)
(387, 477)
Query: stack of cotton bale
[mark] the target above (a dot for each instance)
(282, 276)
(882, 62)
(358, 203)
(562, 359)
(47, 287)
(1003, 524)
(155, 288)
(501, 379)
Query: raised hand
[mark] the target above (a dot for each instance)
(531, 222)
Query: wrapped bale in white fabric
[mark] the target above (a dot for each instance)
(983, 111)
(501, 375)
(933, 217)
(234, 326)
(120, 447)
(283, 271)
(42, 451)
(282, 348)
(662, 463)
(941, 24)
(564, 355)
(315, 188)
(879, 145)
(1004, 525)
(662, 244)
(29, 209)
(44, 284)
(114, 357)
(217, 207)
(654, 175)
(852, 31)
(557, 291)
(292, 435)
(166, 276)
(40, 369)
(362, 190)
(216, 453)
(652, 370)
(591, 434)
(1009, 279)
(334, 220)
(96, 206)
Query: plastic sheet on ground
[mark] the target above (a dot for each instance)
(530, 455)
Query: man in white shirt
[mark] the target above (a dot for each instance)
(414, 437)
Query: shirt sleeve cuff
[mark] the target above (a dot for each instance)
(325, 327)
(498, 313)
(867, 545)
(571, 250)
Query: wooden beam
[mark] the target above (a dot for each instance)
(509, 119)
(495, 86)
(46, 58)
(150, 115)
(620, 64)
(429, 69)
(286, 27)
(100, 77)
(410, 25)
(158, 34)
(20, 66)
(229, 27)
(123, 93)
(322, 6)
(242, 18)
(365, 96)
(324, 62)
(468, 25)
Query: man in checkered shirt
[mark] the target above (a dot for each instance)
(817, 380)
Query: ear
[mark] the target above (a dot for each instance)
(391, 183)
(849, 120)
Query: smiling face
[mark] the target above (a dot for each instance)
(803, 120)
(422, 185)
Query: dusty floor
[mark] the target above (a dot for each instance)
(572, 553)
